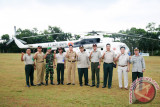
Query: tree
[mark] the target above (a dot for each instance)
(5, 37)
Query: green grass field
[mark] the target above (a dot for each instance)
(14, 93)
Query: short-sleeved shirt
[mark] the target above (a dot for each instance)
(96, 55)
(71, 56)
(28, 59)
(83, 60)
(123, 59)
(109, 57)
(138, 63)
(60, 58)
(40, 57)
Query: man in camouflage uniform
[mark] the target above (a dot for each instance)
(49, 65)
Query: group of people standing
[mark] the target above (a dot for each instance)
(84, 62)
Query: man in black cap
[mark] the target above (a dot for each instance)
(83, 65)
(95, 57)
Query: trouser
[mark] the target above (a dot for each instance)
(95, 70)
(49, 70)
(29, 72)
(60, 73)
(82, 71)
(108, 72)
(40, 72)
(136, 74)
(125, 75)
(71, 67)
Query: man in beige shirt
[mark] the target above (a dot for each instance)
(95, 57)
(83, 65)
(71, 55)
(39, 56)
(109, 58)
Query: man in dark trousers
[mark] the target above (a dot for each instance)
(109, 58)
(29, 66)
(83, 65)
(95, 57)
(61, 64)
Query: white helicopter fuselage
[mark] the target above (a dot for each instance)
(86, 41)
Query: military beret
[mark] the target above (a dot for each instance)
(49, 48)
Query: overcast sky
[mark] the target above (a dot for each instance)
(77, 16)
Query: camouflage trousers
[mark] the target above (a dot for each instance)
(49, 69)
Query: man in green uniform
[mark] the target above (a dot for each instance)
(49, 65)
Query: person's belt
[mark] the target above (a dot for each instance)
(40, 62)
(29, 64)
(71, 61)
(94, 62)
(108, 63)
(122, 65)
(60, 63)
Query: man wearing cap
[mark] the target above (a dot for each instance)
(83, 65)
(29, 66)
(50, 64)
(138, 65)
(71, 55)
(61, 64)
(95, 57)
(39, 56)
(123, 67)
(108, 59)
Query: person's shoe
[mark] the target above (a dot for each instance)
(73, 83)
(62, 83)
(120, 87)
(68, 83)
(33, 85)
(97, 86)
(109, 87)
(28, 86)
(92, 85)
(42, 83)
(126, 88)
(38, 84)
(81, 85)
(58, 83)
(46, 83)
(52, 83)
(104, 87)
(87, 85)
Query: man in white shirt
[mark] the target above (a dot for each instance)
(61, 65)
(123, 67)
(29, 66)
